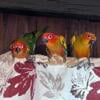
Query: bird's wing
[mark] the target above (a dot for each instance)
(73, 39)
(39, 33)
(63, 43)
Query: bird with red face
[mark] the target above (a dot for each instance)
(55, 44)
(19, 49)
(25, 45)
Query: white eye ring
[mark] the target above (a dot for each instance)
(89, 36)
(50, 36)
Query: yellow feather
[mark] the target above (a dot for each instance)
(81, 45)
(73, 39)
(63, 41)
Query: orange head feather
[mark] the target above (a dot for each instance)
(87, 36)
(19, 49)
(49, 38)
(82, 44)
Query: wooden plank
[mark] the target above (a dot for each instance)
(82, 7)
(2, 37)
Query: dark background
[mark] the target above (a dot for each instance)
(66, 17)
(84, 7)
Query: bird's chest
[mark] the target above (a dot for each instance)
(81, 50)
(81, 46)
(55, 48)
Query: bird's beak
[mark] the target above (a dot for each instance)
(43, 41)
(17, 50)
(93, 37)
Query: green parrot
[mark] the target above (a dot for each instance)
(31, 39)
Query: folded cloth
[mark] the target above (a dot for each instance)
(17, 78)
(38, 78)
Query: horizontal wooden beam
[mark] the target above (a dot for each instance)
(89, 9)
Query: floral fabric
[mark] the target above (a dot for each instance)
(61, 82)
(17, 83)
(36, 80)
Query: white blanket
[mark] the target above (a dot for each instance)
(37, 80)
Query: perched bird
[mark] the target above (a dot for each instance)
(82, 44)
(55, 44)
(29, 39)
(25, 45)
(19, 49)
(32, 38)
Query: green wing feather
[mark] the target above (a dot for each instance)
(39, 33)
(31, 39)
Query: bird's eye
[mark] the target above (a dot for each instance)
(50, 36)
(89, 36)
